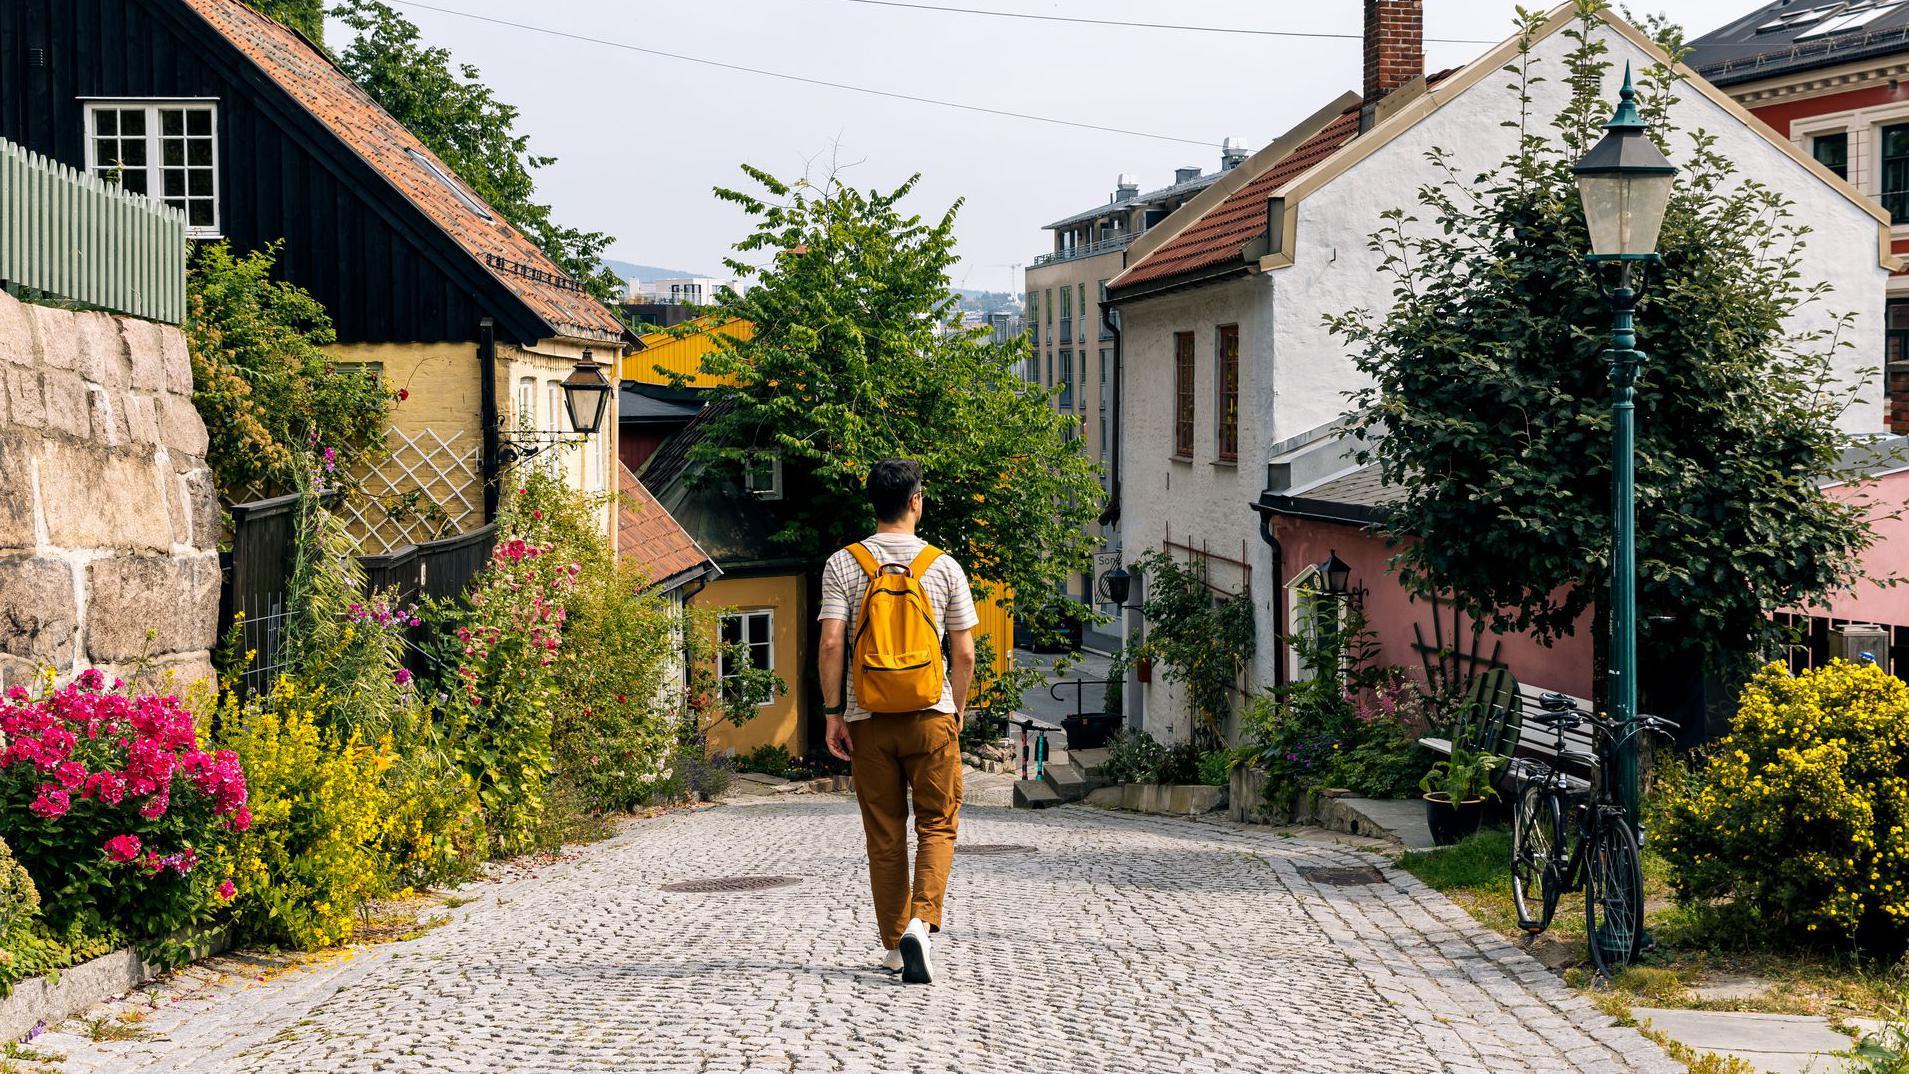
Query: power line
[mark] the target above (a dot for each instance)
(799, 78)
(1154, 25)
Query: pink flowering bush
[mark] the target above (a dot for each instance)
(113, 807)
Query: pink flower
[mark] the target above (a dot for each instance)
(123, 848)
(51, 803)
(71, 774)
(331, 460)
(227, 891)
(155, 807)
(91, 679)
(403, 676)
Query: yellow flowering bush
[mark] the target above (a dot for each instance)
(319, 809)
(1800, 817)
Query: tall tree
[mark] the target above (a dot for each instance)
(305, 16)
(1489, 402)
(852, 361)
(459, 118)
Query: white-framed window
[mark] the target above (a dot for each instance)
(1310, 614)
(374, 370)
(166, 150)
(762, 475)
(526, 403)
(755, 632)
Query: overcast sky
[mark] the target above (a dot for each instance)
(642, 139)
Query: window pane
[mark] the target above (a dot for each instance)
(174, 180)
(731, 629)
(105, 121)
(759, 629)
(199, 182)
(134, 181)
(199, 121)
(1832, 152)
(132, 153)
(199, 214)
(199, 152)
(172, 152)
(132, 121)
(171, 121)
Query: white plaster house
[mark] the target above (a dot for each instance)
(1260, 258)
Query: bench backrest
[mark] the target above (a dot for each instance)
(1541, 741)
(1488, 720)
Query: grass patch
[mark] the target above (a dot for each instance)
(1695, 948)
(106, 1029)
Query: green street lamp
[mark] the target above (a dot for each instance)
(1624, 183)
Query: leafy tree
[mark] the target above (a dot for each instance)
(265, 388)
(851, 363)
(461, 120)
(1489, 402)
(305, 16)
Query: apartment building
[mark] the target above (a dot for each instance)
(1829, 77)
(1072, 345)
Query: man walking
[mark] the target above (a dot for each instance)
(888, 602)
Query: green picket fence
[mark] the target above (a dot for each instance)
(76, 238)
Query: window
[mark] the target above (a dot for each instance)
(374, 370)
(527, 403)
(1050, 306)
(1034, 320)
(762, 475)
(468, 199)
(166, 151)
(1832, 152)
(755, 633)
(1067, 315)
(1101, 318)
(1049, 382)
(1183, 411)
(1311, 614)
(1895, 172)
(1066, 401)
(1227, 387)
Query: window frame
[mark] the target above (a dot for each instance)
(154, 138)
(1185, 401)
(1064, 380)
(1226, 394)
(768, 644)
(774, 489)
(1305, 599)
(1898, 215)
(1816, 151)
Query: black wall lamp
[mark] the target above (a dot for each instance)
(586, 396)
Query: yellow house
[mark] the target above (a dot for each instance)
(663, 356)
(430, 289)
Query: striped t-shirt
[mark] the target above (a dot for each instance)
(844, 584)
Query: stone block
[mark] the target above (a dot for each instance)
(94, 498)
(58, 336)
(174, 599)
(180, 427)
(177, 674)
(26, 398)
(38, 615)
(108, 421)
(202, 505)
(142, 418)
(145, 354)
(67, 410)
(17, 671)
(16, 489)
(100, 347)
(175, 361)
(16, 333)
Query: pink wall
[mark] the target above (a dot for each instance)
(1391, 613)
(1868, 602)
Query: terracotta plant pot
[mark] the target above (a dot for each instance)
(1449, 822)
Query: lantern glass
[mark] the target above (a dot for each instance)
(1338, 575)
(585, 395)
(1624, 211)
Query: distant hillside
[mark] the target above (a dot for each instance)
(646, 273)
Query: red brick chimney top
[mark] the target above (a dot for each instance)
(1394, 45)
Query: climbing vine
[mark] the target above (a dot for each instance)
(1201, 639)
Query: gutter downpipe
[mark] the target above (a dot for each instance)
(1271, 538)
(487, 416)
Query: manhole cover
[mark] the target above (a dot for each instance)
(1342, 876)
(992, 848)
(733, 883)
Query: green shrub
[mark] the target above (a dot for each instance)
(1216, 767)
(1134, 757)
(773, 760)
(1800, 817)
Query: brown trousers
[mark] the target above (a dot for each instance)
(897, 755)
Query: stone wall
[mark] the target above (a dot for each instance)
(109, 520)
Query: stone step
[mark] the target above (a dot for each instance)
(1034, 794)
(1091, 760)
(1068, 781)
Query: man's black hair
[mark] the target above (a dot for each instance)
(891, 484)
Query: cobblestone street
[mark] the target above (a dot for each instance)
(1121, 943)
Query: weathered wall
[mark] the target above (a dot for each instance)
(779, 723)
(109, 521)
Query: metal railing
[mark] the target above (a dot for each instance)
(78, 238)
(1103, 246)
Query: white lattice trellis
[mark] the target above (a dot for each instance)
(428, 487)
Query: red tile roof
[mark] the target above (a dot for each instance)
(349, 112)
(1217, 238)
(647, 535)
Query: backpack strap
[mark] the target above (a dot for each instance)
(923, 560)
(867, 559)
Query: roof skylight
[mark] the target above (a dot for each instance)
(456, 188)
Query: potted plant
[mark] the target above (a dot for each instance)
(1455, 792)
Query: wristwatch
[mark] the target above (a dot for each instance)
(835, 710)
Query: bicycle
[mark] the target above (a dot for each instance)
(1597, 853)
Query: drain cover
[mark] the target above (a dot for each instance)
(733, 883)
(992, 848)
(1343, 877)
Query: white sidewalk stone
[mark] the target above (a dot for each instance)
(1123, 944)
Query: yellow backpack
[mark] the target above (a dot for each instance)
(897, 652)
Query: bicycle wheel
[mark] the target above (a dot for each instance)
(1535, 822)
(1613, 895)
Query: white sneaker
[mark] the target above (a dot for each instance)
(891, 960)
(915, 965)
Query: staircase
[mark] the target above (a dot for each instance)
(1070, 776)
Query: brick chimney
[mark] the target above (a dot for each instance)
(1394, 49)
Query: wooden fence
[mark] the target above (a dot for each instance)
(75, 237)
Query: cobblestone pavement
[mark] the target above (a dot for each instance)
(1122, 943)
